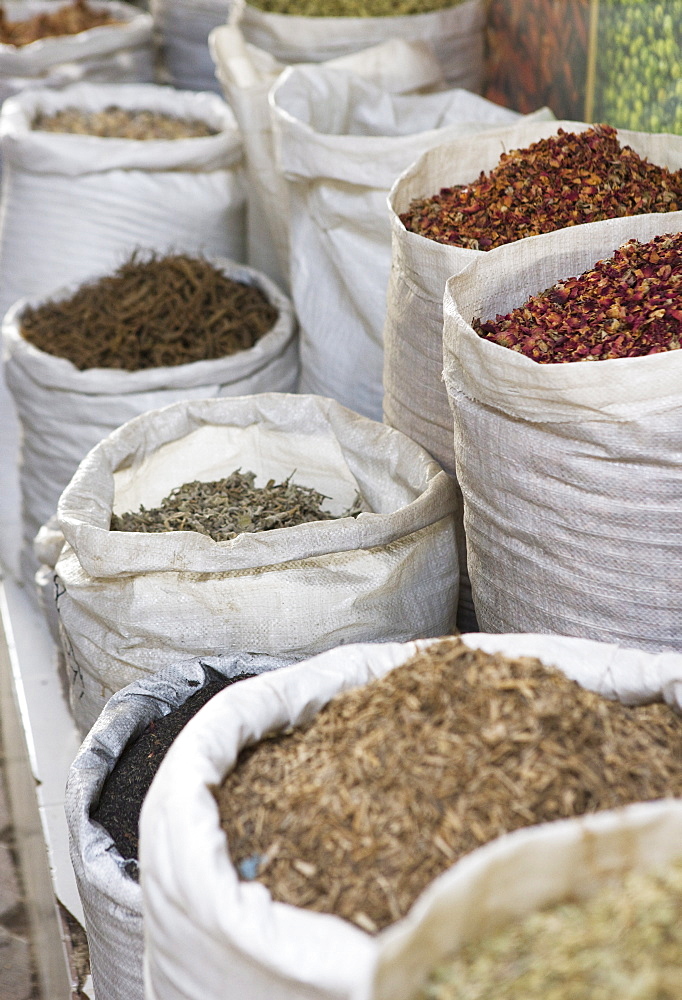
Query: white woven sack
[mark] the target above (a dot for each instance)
(247, 73)
(111, 896)
(76, 205)
(341, 141)
(204, 927)
(570, 477)
(514, 876)
(116, 53)
(455, 33)
(132, 599)
(64, 412)
(182, 28)
(415, 398)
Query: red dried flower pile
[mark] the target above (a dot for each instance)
(564, 180)
(626, 306)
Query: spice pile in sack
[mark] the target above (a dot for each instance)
(70, 19)
(121, 123)
(626, 306)
(126, 785)
(394, 781)
(224, 508)
(352, 8)
(624, 942)
(564, 180)
(158, 312)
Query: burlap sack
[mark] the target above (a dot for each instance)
(415, 398)
(205, 927)
(129, 600)
(569, 472)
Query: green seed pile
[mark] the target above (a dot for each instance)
(624, 943)
(639, 85)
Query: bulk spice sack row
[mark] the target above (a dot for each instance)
(106, 597)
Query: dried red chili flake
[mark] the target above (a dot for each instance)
(626, 306)
(564, 180)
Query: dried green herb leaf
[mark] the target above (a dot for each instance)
(224, 508)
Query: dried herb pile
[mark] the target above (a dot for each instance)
(625, 943)
(352, 8)
(126, 785)
(626, 306)
(564, 180)
(393, 782)
(70, 19)
(121, 123)
(162, 311)
(225, 508)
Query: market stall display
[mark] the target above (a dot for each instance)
(531, 357)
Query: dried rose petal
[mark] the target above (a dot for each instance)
(564, 180)
(626, 306)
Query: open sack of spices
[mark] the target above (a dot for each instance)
(247, 74)
(341, 141)
(296, 31)
(583, 908)
(355, 543)
(182, 28)
(75, 202)
(52, 44)
(158, 329)
(498, 186)
(567, 423)
(297, 820)
(602, 60)
(107, 783)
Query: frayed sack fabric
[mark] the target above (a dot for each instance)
(111, 53)
(455, 33)
(77, 205)
(517, 875)
(415, 397)
(181, 28)
(111, 896)
(247, 74)
(64, 411)
(569, 472)
(130, 600)
(341, 141)
(205, 928)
